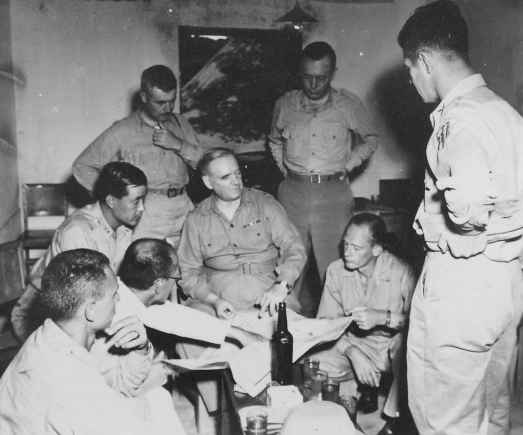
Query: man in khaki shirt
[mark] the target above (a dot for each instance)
(238, 249)
(319, 135)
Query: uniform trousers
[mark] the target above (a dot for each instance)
(321, 213)
(163, 218)
(461, 344)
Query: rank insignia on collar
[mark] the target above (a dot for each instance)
(442, 134)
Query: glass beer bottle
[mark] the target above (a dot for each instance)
(281, 349)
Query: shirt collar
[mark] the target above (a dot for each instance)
(106, 228)
(380, 272)
(53, 336)
(307, 106)
(462, 88)
(128, 304)
(246, 198)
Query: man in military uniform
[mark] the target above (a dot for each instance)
(312, 136)
(158, 142)
(238, 249)
(467, 304)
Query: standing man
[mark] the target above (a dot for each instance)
(319, 135)
(104, 226)
(158, 142)
(462, 336)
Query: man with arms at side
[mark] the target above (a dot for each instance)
(312, 137)
(104, 226)
(375, 288)
(238, 248)
(53, 385)
(467, 304)
(158, 142)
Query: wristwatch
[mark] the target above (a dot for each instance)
(289, 287)
(389, 314)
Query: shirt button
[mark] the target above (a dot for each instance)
(235, 245)
(313, 135)
(313, 154)
(232, 225)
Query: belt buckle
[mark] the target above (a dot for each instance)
(246, 268)
(315, 178)
(172, 193)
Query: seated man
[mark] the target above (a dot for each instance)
(53, 385)
(238, 248)
(147, 276)
(375, 288)
(104, 226)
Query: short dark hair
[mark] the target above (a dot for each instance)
(116, 178)
(158, 76)
(436, 26)
(71, 278)
(317, 51)
(210, 155)
(145, 261)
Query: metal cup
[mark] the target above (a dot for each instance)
(330, 390)
(310, 367)
(257, 422)
(350, 403)
(316, 381)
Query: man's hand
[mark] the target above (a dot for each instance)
(364, 368)
(245, 337)
(271, 298)
(462, 246)
(277, 154)
(166, 139)
(224, 310)
(128, 333)
(367, 318)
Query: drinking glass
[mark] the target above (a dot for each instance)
(257, 422)
(310, 367)
(316, 381)
(330, 390)
(350, 403)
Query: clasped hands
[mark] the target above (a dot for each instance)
(366, 318)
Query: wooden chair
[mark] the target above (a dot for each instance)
(41, 201)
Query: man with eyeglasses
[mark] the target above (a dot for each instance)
(319, 135)
(147, 275)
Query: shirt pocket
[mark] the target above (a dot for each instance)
(293, 141)
(150, 161)
(214, 244)
(255, 237)
(335, 146)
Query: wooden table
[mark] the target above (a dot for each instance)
(232, 402)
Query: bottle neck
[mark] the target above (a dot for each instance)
(282, 317)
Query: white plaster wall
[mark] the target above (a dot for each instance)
(83, 59)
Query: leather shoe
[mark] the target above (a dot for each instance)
(368, 401)
(389, 428)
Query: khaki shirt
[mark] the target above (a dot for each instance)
(390, 288)
(85, 228)
(320, 140)
(131, 140)
(476, 149)
(53, 386)
(259, 233)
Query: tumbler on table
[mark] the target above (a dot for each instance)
(310, 367)
(316, 381)
(257, 422)
(330, 390)
(350, 403)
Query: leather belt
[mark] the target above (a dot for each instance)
(169, 193)
(248, 268)
(315, 178)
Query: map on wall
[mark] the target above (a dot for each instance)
(231, 79)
